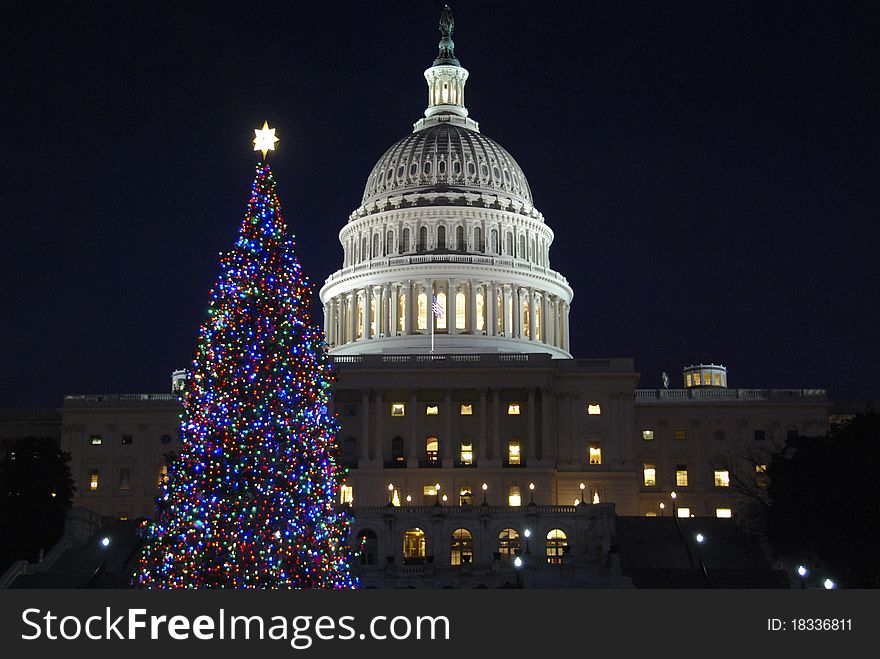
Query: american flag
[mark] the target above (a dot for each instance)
(438, 310)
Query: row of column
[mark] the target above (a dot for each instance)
(489, 309)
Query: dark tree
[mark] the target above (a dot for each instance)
(825, 501)
(36, 490)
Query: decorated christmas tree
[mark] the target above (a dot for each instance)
(250, 502)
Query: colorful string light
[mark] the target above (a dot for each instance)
(250, 502)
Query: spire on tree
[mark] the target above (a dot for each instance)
(251, 500)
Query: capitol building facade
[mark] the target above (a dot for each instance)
(480, 452)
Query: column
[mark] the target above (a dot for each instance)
(382, 322)
(368, 312)
(505, 304)
(544, 307)
(380, 442)
(491, 309)
(408, 308)
(352, 316)
(532, 302)
(327, 320)
(565, 337)
(471, 319)
(429, 291)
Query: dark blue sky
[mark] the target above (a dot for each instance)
(710, 170)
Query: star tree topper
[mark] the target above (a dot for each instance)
(265, 139)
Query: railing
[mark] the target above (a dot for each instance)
(489, 359)
(676, 395)
(475, 509)
(24, 568)
(118, 398)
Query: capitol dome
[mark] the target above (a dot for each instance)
(446, 252)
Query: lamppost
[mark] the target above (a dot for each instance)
(528, 534)
(532, 493)
(662, 506)
(484, 487)
(829, 584)
(582, 486)
(802, 573)
(700, 540)
(437, 492)
(390, 494)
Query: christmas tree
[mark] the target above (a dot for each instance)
(250, 502)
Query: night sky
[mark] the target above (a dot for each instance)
(710, 171)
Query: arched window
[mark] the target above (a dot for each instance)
(494, 236)
(389, 243)
(510, 244)
(441, 167)
(432, 451)
(461, 547)
(441, 319)
(349, 451)
(423, 239)
(363, 248)
(413, 546)
(481, 312)
(459, 239)
(422, 311)
(478, 239)
(413, 169)
(534, 255)
(427, 168)
(367, 547)
(401, 311)
(557, 542)
(522, 247)
(508, 543)
(397, 456)
(456, 167)
(375, 246)
(441, 237)
(404, 244)
(459, 311)
(471, 169)
(526, 325)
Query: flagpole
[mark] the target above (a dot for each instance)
(433, 320)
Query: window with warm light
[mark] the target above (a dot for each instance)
(513, 452)
(681, 434)
(163, 474)
(429, 494)
(649, 473)
(513, 409)
(461, 547)
(466, 409)
(508, 543)
(432, 410)
(346, 494)
(93, 480)
(651, 513)
(459, 311)
(422, 311)
(466, 456)
(481, 312)
(514, 498)
(723, 513)
(681, 475)
(647, 435)
(595, 453)
(722, 478)
(594, 409)
(398, 409)
(441, 319)
(683, 512)
(414, 545)
(465, 496)
(557, 543)
(432, 450)
(687, 380)
(761, 476)
(96, 440)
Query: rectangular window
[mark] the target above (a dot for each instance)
(717, 378)
(651, 513)
(432, 410)
(125, 478)
(398, 409)
(96, 440)
(432, 450)
(760, 435)
(595, 454)
(681, 475)
(93, 480)
(127, 440)
(594, 408)
(465, 496)
(722, 478)
(466, 409)
(687, 379)
(346, 494)
(684, 512)
(647, 435)
(429, 494)
(513, 453)
(650, 475)
(163, 474)
(467, 453)
(723, 513)
(513, 496)
(681, 434)
(761, 476)
(513, 409)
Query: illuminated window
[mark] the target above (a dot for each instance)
(422, 309)
(761, 476)
(93, 480)
(467, 452)
(651, 513)
(681, 475)
(481, 312)
(513, 496)
(684, 512)
(401, 312)
(163, 474)
(557, 542)
(595, 454)
(96, 440)
(359, 329)
(647, 435)
(432, 452)
(441, 319)
(508, 543)
(467, 409)
(513, 452)
(687, 379)
(461, 547)
(414, 546)
(432, 410)
(723, 512)
(398, 409)
(513, 409)
(594, 408)
(681, 434)
(465, 496)
(125, 478)
(127, 440)
(429, 494)
(722, 478)
(650, 475)
(459, 311)
(346, 494)
(718, 383)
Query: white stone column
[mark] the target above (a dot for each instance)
(506, 302)
(408, 308)
(565, 336)
(496, 425)
(382, 324)
(352, 316)
(491, 309)
(546, 441)
(471, 318)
